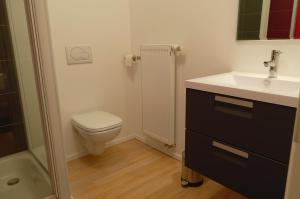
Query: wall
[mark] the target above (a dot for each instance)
(104, 84)
(207, 31)
(115, 28)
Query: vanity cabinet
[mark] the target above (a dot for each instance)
(240, 143)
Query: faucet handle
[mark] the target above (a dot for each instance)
(278, 52)
(266, 63)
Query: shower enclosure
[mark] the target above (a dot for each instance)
(27, 167)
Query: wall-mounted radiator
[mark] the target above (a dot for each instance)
(158, 92)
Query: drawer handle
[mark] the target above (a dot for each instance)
(230, 149)
(232, 111)
(234, 101)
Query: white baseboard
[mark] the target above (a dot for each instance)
(50, 197)
(120, 140)
(76, 155)
(156, 145)
(160, 147)
(109, 144)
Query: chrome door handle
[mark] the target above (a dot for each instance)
(230, 149)
(234, 101)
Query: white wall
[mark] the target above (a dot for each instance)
(104, 84)
(205, 28)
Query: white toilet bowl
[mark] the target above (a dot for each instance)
(97, 128)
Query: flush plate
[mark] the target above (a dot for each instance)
(79, 55)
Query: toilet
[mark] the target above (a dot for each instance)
(97, 128)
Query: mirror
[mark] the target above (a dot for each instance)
(268, 19)
(297, 24)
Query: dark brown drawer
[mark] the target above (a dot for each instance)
(249, 174)
(259, 127)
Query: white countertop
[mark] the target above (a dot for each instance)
(282, 90)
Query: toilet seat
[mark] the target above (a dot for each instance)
(97, 121)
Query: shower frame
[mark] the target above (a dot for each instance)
(37, 14)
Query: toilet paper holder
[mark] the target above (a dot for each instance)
(131, 59)
(136, 58)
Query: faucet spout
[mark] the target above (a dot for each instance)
(273, 64)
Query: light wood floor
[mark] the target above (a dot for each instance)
(135, 171)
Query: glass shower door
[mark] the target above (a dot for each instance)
(12, 134)
(23, 158)
(26, 78)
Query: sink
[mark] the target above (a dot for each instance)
(282, 90)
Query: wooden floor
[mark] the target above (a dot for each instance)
(135, 171)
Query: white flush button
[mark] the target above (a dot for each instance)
(79, 54)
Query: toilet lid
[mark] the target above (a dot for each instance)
(97, 121)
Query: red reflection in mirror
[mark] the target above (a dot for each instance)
(280, 17)
(297, 25)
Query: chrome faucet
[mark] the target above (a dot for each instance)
(273, 64)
